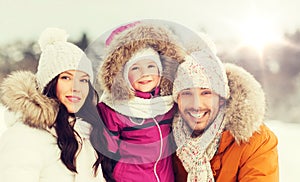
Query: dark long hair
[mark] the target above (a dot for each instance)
(66, 138)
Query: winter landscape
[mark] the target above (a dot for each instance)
(263, 36)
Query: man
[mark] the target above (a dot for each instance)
(219, 128)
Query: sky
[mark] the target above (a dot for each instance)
(226, 22)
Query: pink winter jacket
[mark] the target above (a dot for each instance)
(144, 146)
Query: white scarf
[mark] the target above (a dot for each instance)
(86, 155)
(140, 108)
(196, 153)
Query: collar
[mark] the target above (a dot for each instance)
(148, 95)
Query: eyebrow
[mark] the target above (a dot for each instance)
(67, 72)
(151, 61)
(202, 88)
(85, 75)
(146, 61)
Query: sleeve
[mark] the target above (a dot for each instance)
(261, 158)
(20, 159)
(112, 127)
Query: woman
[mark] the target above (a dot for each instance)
(49, 141)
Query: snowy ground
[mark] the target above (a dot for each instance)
(289, 149)
(288, 146)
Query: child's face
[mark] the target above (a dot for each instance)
(144, 75)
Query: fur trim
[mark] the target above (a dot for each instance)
(245, 109)
(128, 42)
(20, 95)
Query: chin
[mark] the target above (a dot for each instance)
(73, 111)
(197, 133)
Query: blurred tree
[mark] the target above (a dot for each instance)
(276, 68)
(83, 42)
(293, 37)
(25, 55)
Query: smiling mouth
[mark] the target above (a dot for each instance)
(73, 98)
(145, 82)
(198, 115)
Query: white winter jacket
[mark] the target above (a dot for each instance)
(31, 155)
(28, 149)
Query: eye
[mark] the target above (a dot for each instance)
(85, 80)
(151, 66)
(64, 77)
(206, 92)
(186, 93)
(134, 68)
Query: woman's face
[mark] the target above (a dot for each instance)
(72, 89)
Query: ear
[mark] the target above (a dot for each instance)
(222, 101)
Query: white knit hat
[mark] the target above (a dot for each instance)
(201, 69)
(147, 53)
(58, 56)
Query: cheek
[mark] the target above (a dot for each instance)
(132, 77)
(215, 103)
(185, 101)
(85, 91)
(153, 72)
(59, 90)
(156, 78)
(182, 103)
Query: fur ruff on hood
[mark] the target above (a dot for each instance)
(126, 44)
(245, 109)
(20, 95)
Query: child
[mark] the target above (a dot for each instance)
(136, 105)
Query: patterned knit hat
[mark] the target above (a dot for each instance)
(147, 53)
(58, 56)
(201, 69)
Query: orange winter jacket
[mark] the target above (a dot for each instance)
(256, 160)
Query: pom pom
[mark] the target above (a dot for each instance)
(52, 35)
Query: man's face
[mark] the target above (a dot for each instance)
(198, 107)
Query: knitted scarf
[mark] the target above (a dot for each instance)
(139, 107)
(196, 153)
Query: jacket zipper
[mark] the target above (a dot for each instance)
(160, 151)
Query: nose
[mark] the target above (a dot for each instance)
(196, 102)
(144, 72)
(75, 86)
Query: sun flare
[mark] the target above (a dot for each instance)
(258, 32)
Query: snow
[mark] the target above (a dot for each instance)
(2, 120)
(288, 150)
(288, 146)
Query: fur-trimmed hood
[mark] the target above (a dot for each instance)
(245, 109)
(19, 94)
(125, 44)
